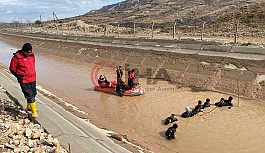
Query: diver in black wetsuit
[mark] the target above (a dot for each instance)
(170, 133)
(198, 108)
(228, 102)
(170, 119)
(121, 87)
(188, 113)
(207, 103)
(220, 103)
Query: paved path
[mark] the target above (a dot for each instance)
(80, 135)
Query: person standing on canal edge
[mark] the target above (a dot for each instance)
(119, 73)
(22, 66)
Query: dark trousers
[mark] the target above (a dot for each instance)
(130, 83)
(29, 91)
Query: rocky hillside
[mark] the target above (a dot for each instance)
(164, 12)
(251, 19)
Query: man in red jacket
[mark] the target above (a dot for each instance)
(131, 78)
(22, 66)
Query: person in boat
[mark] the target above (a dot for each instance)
(188, 113)
(120, 87)
(131, 78)
(228, 102)
(198, 108)
(170, 119)
(103, 82)
(220, 103)
(119, 73)
(207, 103)
(170, 133)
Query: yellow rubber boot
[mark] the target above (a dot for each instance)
(29, 108)
(33, 109)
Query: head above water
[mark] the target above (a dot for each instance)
(230, 98)
(175, 126)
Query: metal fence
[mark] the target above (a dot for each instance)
(232, 32)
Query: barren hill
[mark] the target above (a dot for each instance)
(251, 19)
(163, 12)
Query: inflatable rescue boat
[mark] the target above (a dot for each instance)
(135, 91)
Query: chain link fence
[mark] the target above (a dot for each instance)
(227, 32)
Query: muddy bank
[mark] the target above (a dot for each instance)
(223, 74)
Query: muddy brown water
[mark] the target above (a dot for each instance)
(236, 130)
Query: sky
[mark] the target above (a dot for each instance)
(28, 11)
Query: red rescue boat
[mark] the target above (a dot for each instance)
(135, 91)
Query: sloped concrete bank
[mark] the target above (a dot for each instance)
(235, 70)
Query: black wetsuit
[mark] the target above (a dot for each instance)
(206, 105)
(170, 120)
(187, 114)
(119, 73)
(120, 88)
(227, 103)
(219, 104)
(170, 133)
(197, 109)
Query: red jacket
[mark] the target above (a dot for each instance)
(131, 76)
(23, 67)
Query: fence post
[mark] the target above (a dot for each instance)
(68, 29)
(105, 29)
(118, 30)
(153, 30)
(133, 29)
(57, 30)
(202, 30)
(174, 30)
(236, 32)
(94, 30)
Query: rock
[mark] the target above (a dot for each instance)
(11, 133)
(26, 121)
(24, 149)
(37, 135)
(16, 142)
(17, 149)
(7, 125)
(32, 143)
(21, 122)
(9, 146)
(28, 132)
(19, 134)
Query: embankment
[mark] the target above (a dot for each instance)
(228, 69)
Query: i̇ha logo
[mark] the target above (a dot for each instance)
(98, 69)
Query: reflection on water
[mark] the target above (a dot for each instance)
(236, 130)
(6, 53)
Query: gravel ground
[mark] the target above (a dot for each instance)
(20, 133)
